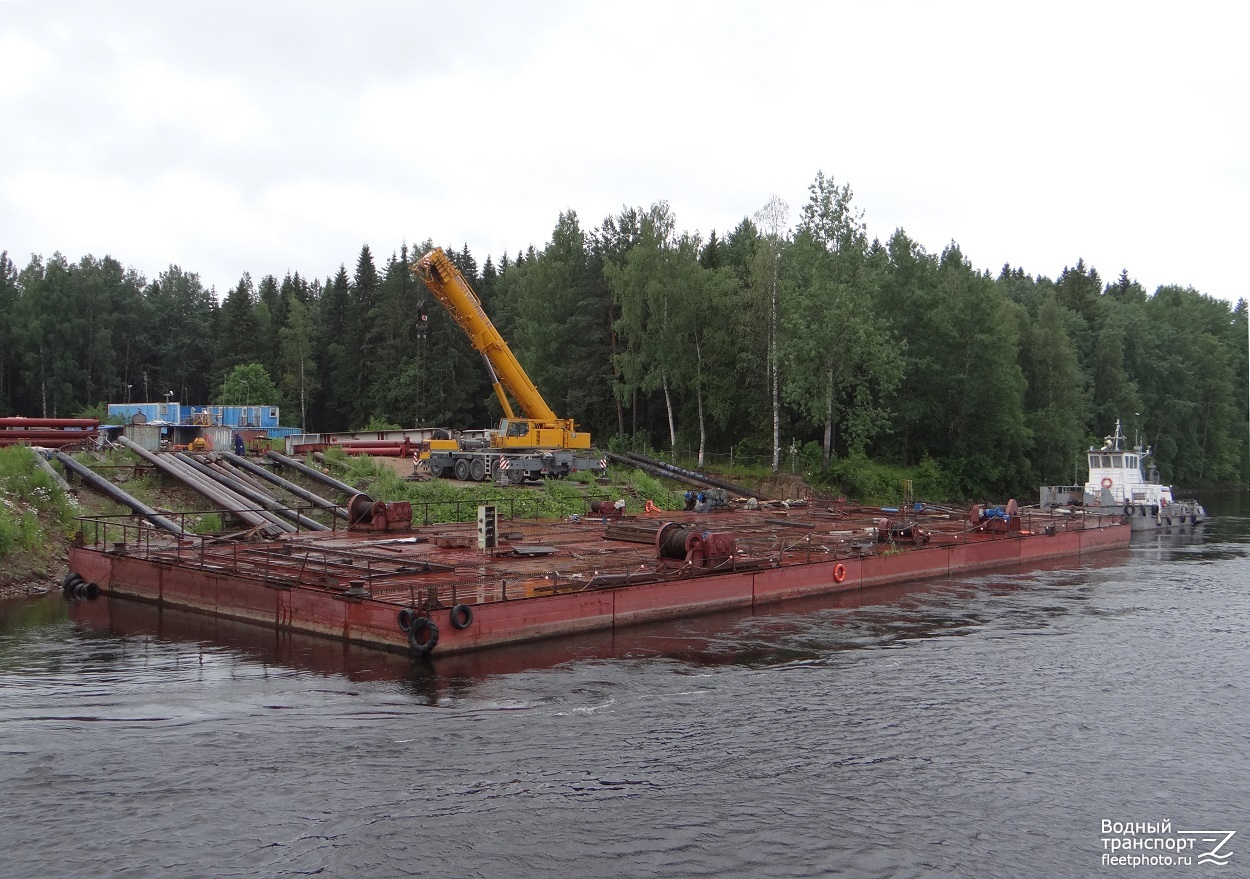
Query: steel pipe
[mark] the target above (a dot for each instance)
(298, 491)
(251, 494)
(264, 505)
(14, 421)
(312, 474)
(102, 485)
(692, 474)
(226, 500)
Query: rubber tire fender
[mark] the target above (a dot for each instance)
(461, 616)
(1129, 509)
(405, 618)
(423, 636)
(69, 582)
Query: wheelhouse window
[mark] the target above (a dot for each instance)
(1117, 461)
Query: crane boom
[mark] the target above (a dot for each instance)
(540, 428)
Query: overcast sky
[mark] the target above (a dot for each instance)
(268, 137)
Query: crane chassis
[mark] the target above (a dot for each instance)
(532, 445)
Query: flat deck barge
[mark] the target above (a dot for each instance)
(432, 590)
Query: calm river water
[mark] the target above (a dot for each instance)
(979, 727)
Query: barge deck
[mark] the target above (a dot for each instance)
(431, 590)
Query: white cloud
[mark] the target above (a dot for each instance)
(243, 137)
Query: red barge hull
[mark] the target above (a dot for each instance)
(551, 582)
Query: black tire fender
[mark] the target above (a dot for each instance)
(423, 636)
(461, 616)
(405, 619)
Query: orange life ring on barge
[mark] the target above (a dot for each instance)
(839, 572)
(1106, 482)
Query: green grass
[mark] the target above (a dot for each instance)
(437, 500)
(208, 523)
(30, 502)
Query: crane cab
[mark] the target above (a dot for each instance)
(532, 433)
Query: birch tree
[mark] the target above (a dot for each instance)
(766, 280)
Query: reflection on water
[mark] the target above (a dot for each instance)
(981, 726)
(1226, 504)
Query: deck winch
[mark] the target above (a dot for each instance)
(995, 520)
(702, 549)
(366, 514)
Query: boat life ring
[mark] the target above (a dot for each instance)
(461, 616)
(839, 572)
(422, 636)
(1129, 510)
(1106, 482)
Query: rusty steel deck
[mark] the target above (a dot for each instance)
(547, 579)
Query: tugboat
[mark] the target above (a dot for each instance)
(1117, 483)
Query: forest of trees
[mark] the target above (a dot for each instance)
(764, 339)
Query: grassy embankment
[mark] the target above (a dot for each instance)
(36, 519)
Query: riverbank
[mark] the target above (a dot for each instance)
(35, 519)
(28, 572)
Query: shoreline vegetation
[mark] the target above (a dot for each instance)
(814, 348)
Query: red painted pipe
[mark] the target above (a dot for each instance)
(370, 444)
(72, 436)
(44, 443)
(49, 422)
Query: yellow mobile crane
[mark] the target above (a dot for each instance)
(537, 443)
